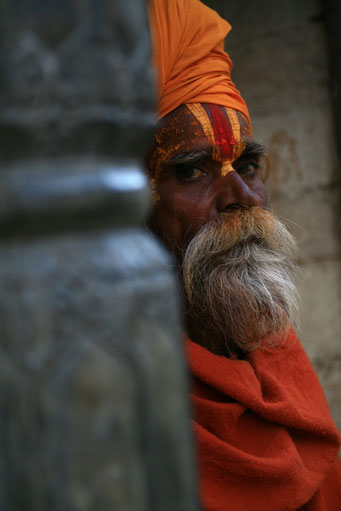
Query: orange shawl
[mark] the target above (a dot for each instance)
(266, 440)
(188, 50)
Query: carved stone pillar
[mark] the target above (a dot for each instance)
(94, 412)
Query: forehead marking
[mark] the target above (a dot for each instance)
(235, 125)
(226, 167)
(237, 148)
(200, 114)
(223, 134)
(221, 127)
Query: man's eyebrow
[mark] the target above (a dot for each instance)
(253, 148)
(194, 157)
(198, 156)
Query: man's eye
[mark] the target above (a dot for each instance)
(189, 173)
(249, 169)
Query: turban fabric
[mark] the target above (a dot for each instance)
(188, 52)
(265, 437)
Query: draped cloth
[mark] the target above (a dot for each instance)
(265, 437)
(189, 57)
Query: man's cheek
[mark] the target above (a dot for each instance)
(164, 220)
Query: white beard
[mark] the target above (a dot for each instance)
(238, 274)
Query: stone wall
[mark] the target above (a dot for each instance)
(281, 59)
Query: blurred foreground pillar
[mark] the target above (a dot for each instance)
(94, 412)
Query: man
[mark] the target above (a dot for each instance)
(265, 437)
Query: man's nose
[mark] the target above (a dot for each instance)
(233, 191)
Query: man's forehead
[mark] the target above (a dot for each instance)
(198, 126)
(195, 122)
(221, 127)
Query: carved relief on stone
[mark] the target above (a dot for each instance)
(74, 75)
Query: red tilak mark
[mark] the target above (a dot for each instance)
(223, 135)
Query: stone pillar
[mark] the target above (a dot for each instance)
(94, 411)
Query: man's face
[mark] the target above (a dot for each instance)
(236, 258)
(204, 162)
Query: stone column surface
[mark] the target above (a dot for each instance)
(94, 410)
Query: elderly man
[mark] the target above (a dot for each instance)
(266, 441)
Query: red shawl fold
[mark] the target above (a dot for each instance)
(265, 437)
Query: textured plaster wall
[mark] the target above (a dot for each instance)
(280, 55)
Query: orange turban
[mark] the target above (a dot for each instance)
(192, 66)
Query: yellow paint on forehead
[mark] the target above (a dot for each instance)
(200, 114)
(235, 125)
(237, 149)
(160, 156)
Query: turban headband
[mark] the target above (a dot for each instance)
(188, 52)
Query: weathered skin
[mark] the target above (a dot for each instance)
(187, 196)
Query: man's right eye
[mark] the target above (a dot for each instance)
(189, 173)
